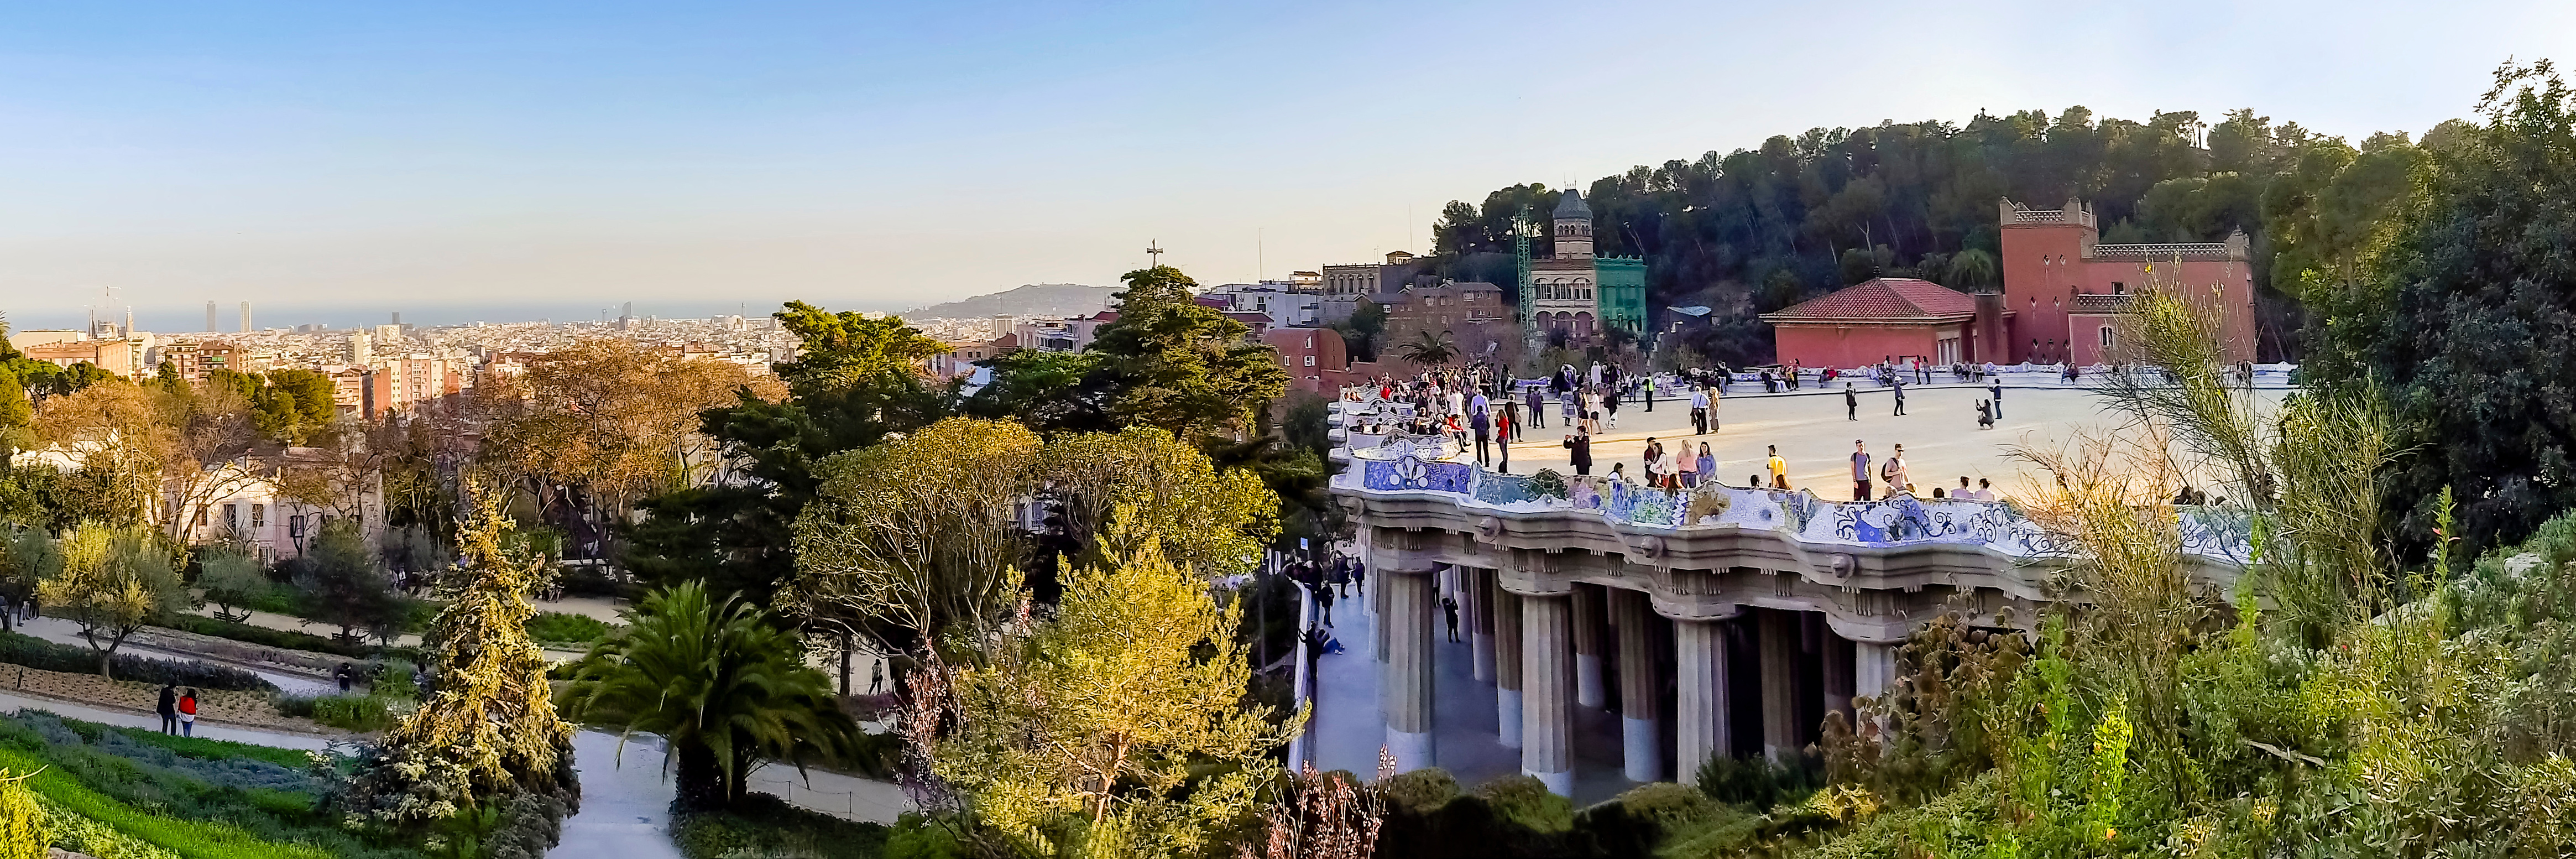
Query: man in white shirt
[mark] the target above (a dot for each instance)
(1699, 411)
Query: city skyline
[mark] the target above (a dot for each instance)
(869, 158)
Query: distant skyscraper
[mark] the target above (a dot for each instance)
(361, 352)
(210, 318)
(398, 317)
(245, 317)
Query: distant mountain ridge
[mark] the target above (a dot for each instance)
(1036, 299)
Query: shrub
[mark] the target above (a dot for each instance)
(18, 649)
(1421, 791)
(283, 639)
(763, 825)
(23, 829)
(567, 628)
(347, 712)
(1523, 800)
(1759, 784)
(1645, 816)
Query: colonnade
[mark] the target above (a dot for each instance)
(1686, 685)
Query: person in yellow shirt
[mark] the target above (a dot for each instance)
(1779, 469)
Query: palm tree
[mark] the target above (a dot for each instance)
(1428, 349)
(724, 686)
(1971, 270)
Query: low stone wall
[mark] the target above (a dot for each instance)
(241, 653)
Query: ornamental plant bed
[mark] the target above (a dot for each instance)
(245, 709)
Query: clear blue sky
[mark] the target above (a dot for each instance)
(361, 155)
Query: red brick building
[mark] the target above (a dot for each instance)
(1316, 358)
(2066, 290)
(1888, 318)
(2063, 297)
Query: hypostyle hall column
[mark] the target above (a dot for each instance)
(1873, 669)
(1405, 681)
(1547, 699)
(1641, 725)
(1587, 646)
(1478, 594)
(1506, 615)
(1779, 632)
(1700, 702)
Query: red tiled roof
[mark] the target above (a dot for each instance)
(1885, 299)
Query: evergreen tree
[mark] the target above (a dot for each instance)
(488, 732)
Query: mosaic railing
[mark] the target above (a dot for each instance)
(2216, 533)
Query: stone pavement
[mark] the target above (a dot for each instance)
(1348, 729)
(1939, 431)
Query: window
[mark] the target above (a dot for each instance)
(258, 516)
(232, 517)
(295, 526)
(2106, 337)
(1310, 360)
(2118, 288)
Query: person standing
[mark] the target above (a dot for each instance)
(1537, 407)
(1610, 401)
(1581, 444)
(1860, 471)
(169, 709)
(1511, 428)
(188, 713)
(1699, 412)
(1779, 469)
(1484, 427)
(1652, 462)
(1449, 607)
(876, 677)
(1359, 576)
(1900, 396)
(1898, 478)
(1324, 603)
(1707, 464)
(1995, 388)
(1571, 405)
(1686, 465)
(1650, 392)
(1716, 398)
(1851, 402)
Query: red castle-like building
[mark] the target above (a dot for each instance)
(2063, 294)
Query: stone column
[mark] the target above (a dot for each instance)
(1547, 702)
(1377, 614)
(1700, 704)
(1478, 594)
(1838, 671)
(1587, 623)
(1506, 614)
(1779, 631)
(1873, 670)
(1641, 724)
(1404, 687)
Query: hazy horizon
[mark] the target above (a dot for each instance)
(355, 161)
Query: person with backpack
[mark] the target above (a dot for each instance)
(1894, 472)
(1860, 471)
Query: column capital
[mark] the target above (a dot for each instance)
(1403, 551)
(1532, 573)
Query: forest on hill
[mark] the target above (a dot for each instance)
(1755, 230)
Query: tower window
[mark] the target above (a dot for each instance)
(2106, 337)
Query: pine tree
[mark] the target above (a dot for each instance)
(488, 731)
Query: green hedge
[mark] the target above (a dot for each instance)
(347, 712)
(763, 825)
(266, 637)
(20, 649)
(564, 628)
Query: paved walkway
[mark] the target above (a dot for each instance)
(1348, 729)
(1939, 431)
